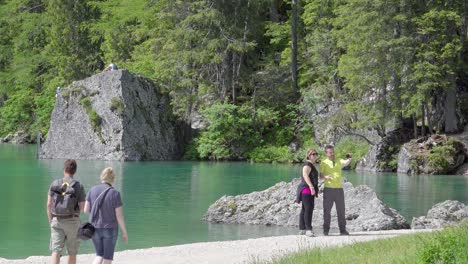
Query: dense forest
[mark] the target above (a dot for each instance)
(267, 76)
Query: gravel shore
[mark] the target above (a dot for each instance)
(228, 252)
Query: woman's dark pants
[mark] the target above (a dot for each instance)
(305, 218)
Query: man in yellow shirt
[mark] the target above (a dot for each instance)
(333, 193)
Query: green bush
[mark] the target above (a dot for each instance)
(357, 147)
(191, 152)
(235, 130)
(441, 157)
(308, 143)
(393, 163)
(45, 103)
(94, 118)
(271, 154)
(16, 113)
(447, 246)
(116, 106)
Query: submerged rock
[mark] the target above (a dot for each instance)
(441, 215)
(276, 206)
(113, 116)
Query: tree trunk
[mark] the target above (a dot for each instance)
(233, 80)
(415, 126)
(274, 16)
(294, 49)
(423, 121)
(244, 39)
(396, 79)
(429, 120)
(450, 112)
(254, 102)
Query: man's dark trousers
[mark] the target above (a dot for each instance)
(330, 196)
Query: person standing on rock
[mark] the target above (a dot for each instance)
(65, 201)
(333, 193)
(111, 67)
(306, 193)
(104, 205)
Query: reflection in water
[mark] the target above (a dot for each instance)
(165, 201)
(413, 195)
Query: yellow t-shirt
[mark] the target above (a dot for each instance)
(327, 168)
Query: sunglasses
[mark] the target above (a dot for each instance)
(314, 154)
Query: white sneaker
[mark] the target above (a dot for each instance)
(302, 232)
(309, 233)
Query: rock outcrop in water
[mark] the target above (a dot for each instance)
(382, 156)
(441, 215)
(437, 154)
(463, 170)
(113, 116)
(276, 206)
(463, 137)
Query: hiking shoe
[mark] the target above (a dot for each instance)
(325, 233)
(344, 233)
(309, 233)
(302, 232)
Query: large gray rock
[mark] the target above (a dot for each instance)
(112, 116)
(276, 206)
(383, 156)
(441, 215)
(462, 170)
(415, 156)
(404, 161)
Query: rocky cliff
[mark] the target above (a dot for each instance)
(113, 116)
(276, 206)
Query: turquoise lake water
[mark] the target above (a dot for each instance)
(164, 201)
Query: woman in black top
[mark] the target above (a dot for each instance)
(307, 191)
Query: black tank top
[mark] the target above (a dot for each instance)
(313, 176)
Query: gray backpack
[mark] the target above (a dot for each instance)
(64, 197)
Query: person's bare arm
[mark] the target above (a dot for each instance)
(49, 207)
(325, 177)
(121, 221)
(346, 162)
(305, 174)
(87, 208)
(81, 205)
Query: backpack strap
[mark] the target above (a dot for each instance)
(98, 203)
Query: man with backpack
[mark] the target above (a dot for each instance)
(65, 201)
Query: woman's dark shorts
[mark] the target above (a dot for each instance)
(104, 241)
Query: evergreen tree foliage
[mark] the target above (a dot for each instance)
(361, 65)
